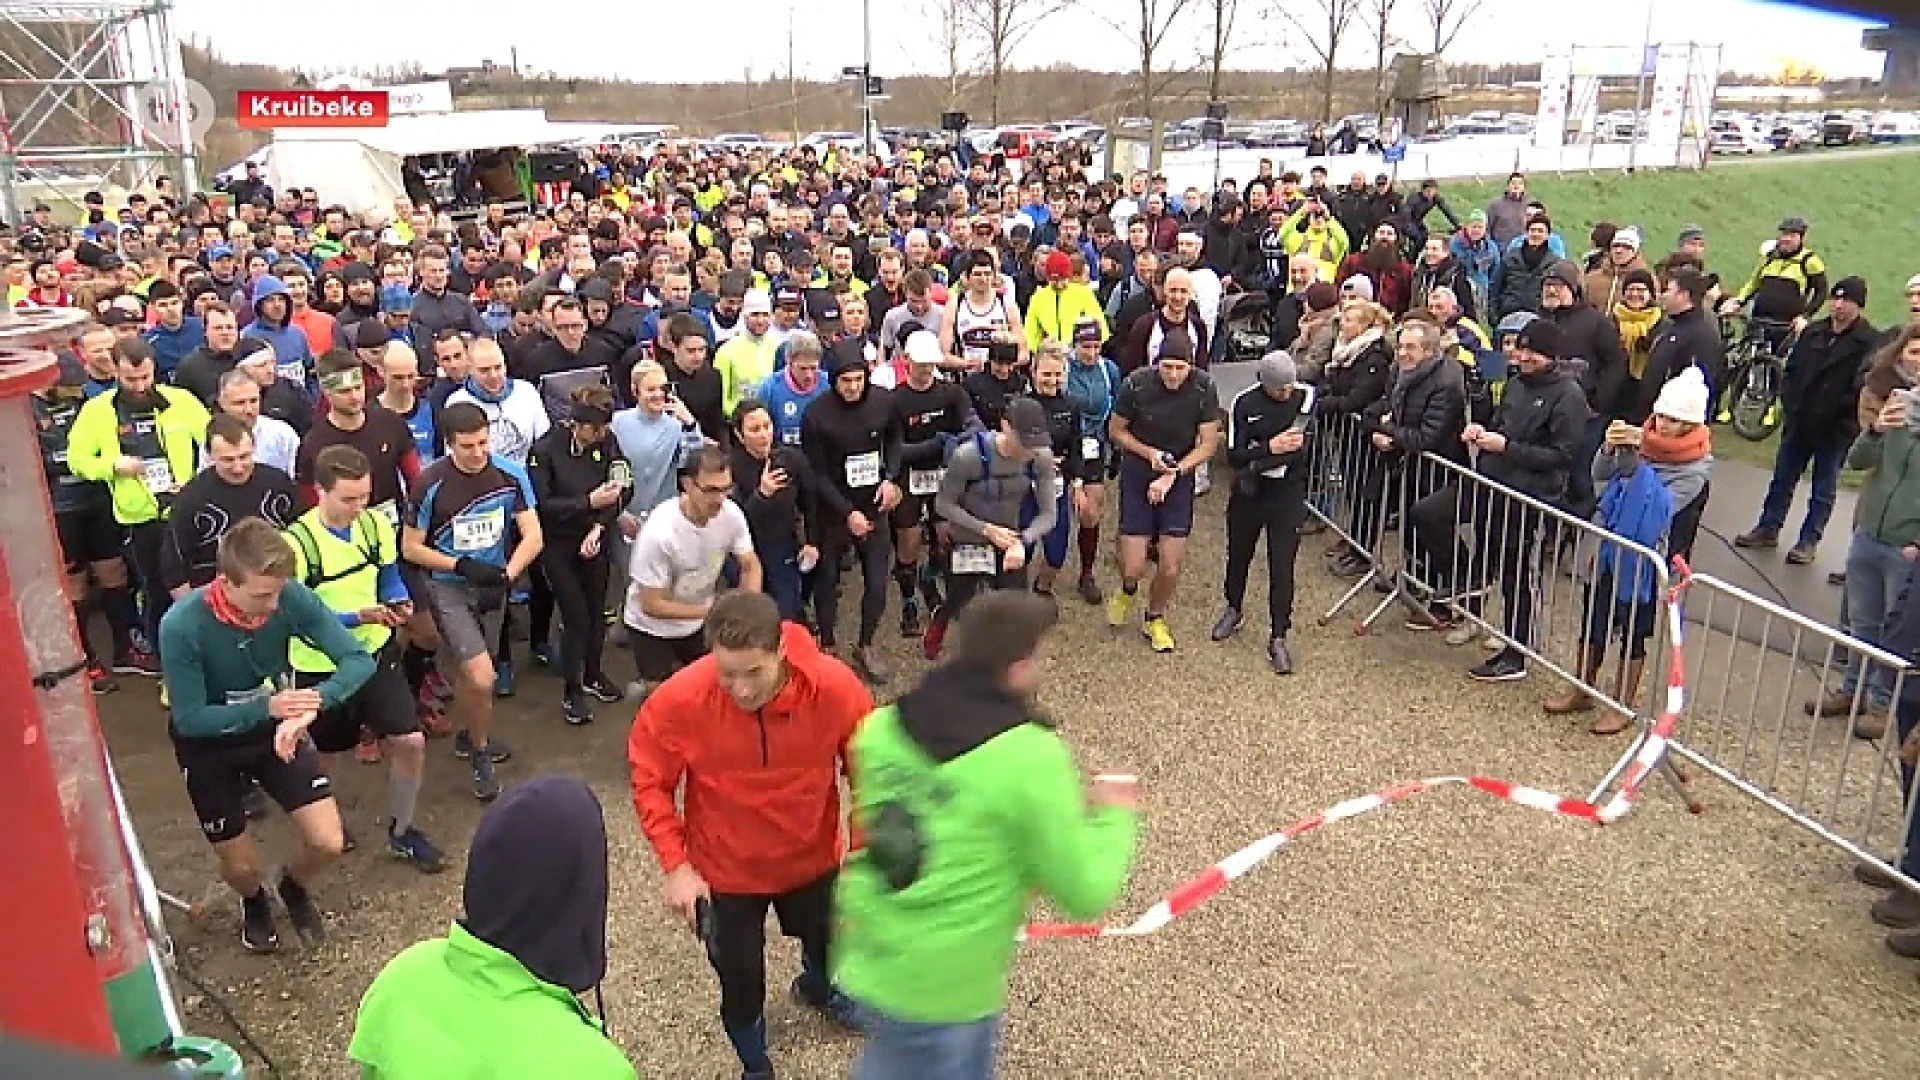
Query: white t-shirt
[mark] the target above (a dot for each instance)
(674, 554)
(515, 422)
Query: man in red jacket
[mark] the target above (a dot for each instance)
(758, 729)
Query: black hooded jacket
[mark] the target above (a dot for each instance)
(834, 430)
(1541, 415)
(955, 711)
(536, 884)
(1590, 351)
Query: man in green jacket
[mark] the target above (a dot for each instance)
(495, 998)
(237, 718)
(970, 804)
(1886, 538)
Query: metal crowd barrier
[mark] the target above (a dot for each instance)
(1345, 474)
(1753, 720)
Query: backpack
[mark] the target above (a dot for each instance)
(302, 536)
(983, 444)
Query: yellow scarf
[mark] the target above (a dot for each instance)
(1636, 334)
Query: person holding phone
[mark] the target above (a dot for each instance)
(236, 717)
(580, 482)
(1266, 443)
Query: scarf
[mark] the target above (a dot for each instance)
(1675, 450)
(472, 386)
(1635, 507)
(1636, 334)
(226, 612)
(1345, 351)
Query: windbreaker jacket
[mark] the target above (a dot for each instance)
(762, 802)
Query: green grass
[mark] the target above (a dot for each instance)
(1859, 210)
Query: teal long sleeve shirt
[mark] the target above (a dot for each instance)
(219, 678)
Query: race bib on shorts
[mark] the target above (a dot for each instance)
(924, 481)
(863, 470)
(973, 559)
(479, 532)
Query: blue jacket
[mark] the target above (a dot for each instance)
(288, 341)
(1479, 261)
(787, 405)
(172, 346)
(1638, 508)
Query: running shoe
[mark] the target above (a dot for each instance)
(301, 910)
(1159, 634)
(463, 748)
(258, 934)
(412, 847)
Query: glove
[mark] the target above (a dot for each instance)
(478, 573)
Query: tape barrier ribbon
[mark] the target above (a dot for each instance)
(1213, 880)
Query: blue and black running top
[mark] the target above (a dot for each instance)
(470, 515)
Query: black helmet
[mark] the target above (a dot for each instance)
(1793, 225)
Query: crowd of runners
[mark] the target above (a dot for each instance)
(310, 470)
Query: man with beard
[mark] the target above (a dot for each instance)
(1381, 264)
(199, 372)
(363, 302)
(233, 488)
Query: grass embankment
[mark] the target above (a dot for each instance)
(1859, 209)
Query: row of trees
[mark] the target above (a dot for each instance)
(979, 38)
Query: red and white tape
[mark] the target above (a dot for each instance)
(1214, 879)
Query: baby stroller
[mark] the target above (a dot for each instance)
(1246, 326)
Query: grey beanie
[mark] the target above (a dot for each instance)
(1276, 370)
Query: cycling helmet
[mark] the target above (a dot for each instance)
(1793, 225)
(1514, 323)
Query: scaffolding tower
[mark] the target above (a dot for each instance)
(93, 96)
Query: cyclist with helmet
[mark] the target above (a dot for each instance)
(1786, 290)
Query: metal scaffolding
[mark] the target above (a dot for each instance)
(93, 96)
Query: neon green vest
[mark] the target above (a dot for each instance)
(344, 574)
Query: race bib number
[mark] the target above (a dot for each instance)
(973, 559)
(790, 438)
(863, 470)
(291, 370)
(389, 510)
(157, 475)
(620, 474)
(479, 532)
(1089, 448)
(60, 457)
(924, 481)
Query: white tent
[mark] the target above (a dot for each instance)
(359, 168)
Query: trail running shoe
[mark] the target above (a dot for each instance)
(258, 934)
(1159, 634)
(603, 691)
(301, 910)
(1119, 608)
(413, 848)
(486, 787)
(463, 748)
(575, 709)
(504, 681)
(137, 662)
(100, 680)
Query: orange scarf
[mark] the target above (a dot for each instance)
(1685, 449)
(223, 609)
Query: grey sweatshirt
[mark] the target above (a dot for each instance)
(974, 495)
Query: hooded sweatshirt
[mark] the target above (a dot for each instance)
(961, 767)
(495, 997)
(853, 446)
(291, 355)
(761, 809)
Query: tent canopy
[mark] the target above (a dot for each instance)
(441, 133)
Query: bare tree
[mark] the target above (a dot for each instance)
(1153, 24)
(1446, 18)
(1223, 14)
(1378, 17)
(954, 32)
(1000, 26)
(1323, 25)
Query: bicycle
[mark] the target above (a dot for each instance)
(1756, 374)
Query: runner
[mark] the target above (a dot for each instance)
(1266, 441)
(1066, 419)
(933, 414)
(766, 699)
(275, 442)
(674, 575)
(231, 489)
(1093, 379)
(236, 718)
(852, 439)
(970, 805)
(979, 315)
(349, 555)
(474, 529)
(775, 488)
(1165, 423)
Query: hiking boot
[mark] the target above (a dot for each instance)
(258, 934)
(1506, 665)
(100, 680)
(1802, 553)
(504, 682)
(137, 662)
(1089, 589)
(1436, 617)
(463, 748)
(573, 706)
(1227, 625)
(1572, 700)
(1870, 725)
(1904, 943)
(1898, 910)
(301, 910)
(599, 689)
(1159, 634)
(1279, 657)
(486, 786)
(1611, 722)
(1834, 703)
(1761, 537)
(1873, 877)
(910, 621)
(1119, 608)
(412, 847)
(874, 664)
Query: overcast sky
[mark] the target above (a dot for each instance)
(694, 42)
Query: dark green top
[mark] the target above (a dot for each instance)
(219, 678)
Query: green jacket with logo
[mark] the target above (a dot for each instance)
(988, 828)
(456, 1007)
(93, 447)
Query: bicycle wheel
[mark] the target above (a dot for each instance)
(1756, 399)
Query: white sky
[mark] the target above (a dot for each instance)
(693, 42)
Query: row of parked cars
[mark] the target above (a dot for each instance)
(1742, 133)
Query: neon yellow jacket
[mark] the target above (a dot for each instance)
(1053, 313)
(93, 446)
(1326, 242)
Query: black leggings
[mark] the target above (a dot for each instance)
(143, 558)
(578, 587)
(738, 952)
(875, 553)
(1279, 514)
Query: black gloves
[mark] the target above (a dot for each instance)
(480, 574)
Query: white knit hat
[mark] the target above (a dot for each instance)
(1358, 285)
(1628, 236)
(1684, 398)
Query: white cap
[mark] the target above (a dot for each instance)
(1629, 237)
(1358, 285)
(1913, 283)
(923, 348)
(756, 301)
(1684, 398)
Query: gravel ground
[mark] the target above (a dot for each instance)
(1451, 936)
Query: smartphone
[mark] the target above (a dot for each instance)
(1305, 416)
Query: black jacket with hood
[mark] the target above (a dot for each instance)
(1590, 351)
(536, 885)
(1425, 410)
(834, 429)
(1542, 416)
(1684, 340)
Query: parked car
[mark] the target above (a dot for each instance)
(1895, 127)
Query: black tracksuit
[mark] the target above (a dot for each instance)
(562, 476)
(1269, 495)
(840, 438)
